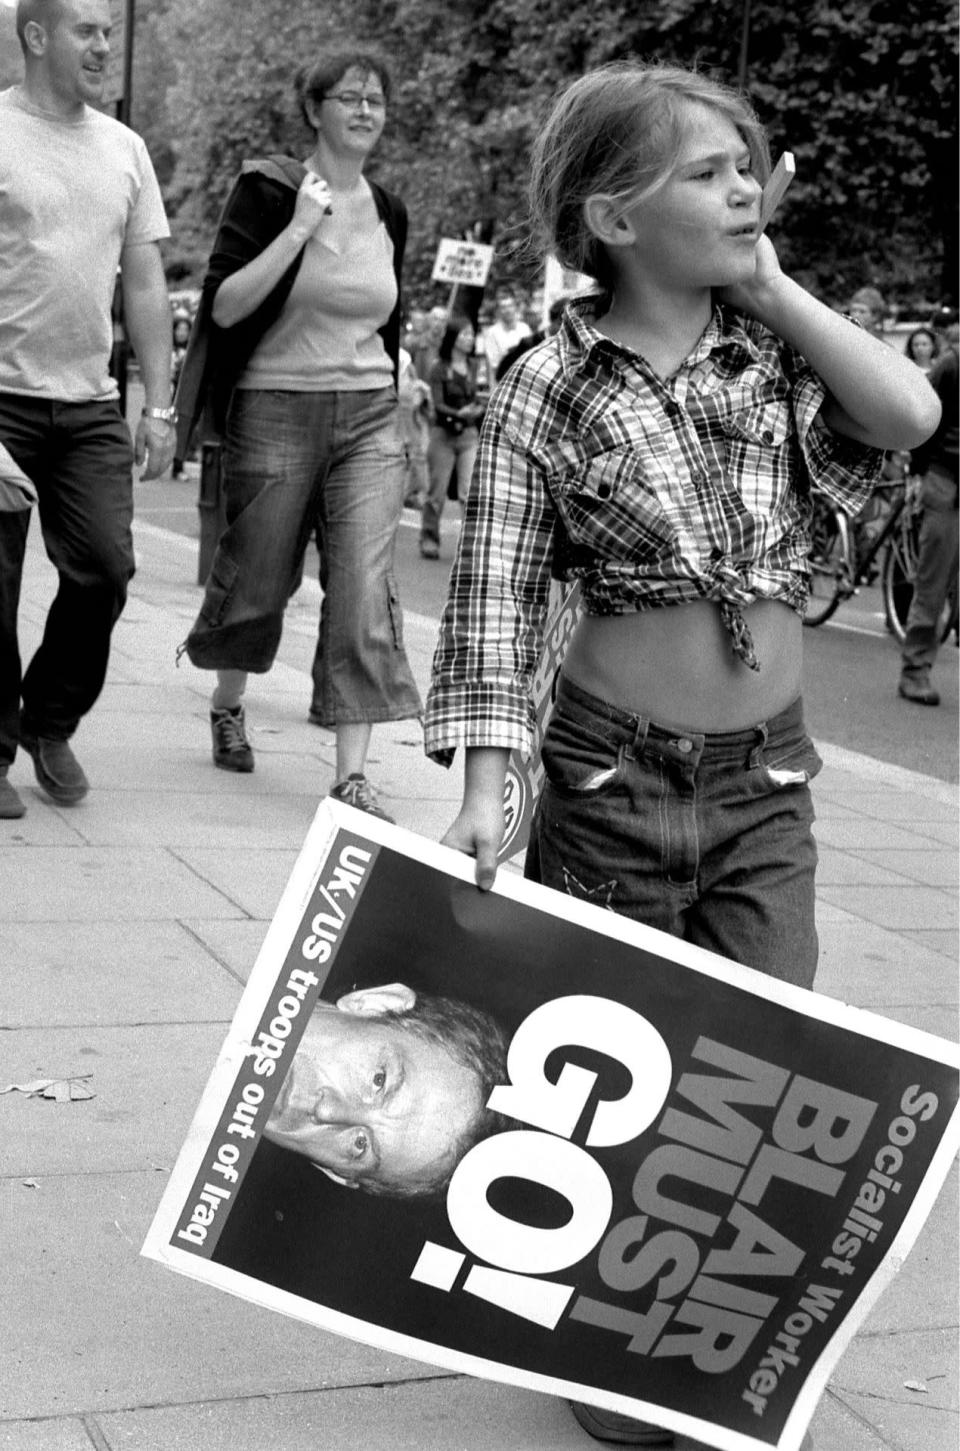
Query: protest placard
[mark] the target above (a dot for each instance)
(525, 773)
(462, 263)
(682, 1193)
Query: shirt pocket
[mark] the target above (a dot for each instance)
(764, 417)
(613, 497)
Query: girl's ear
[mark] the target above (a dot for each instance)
(606, 220)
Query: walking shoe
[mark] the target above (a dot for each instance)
(429, 549)
(56, 767)
(10, 804)
(231, 749)
(611, 1426)
(357, 791)
(918, 689)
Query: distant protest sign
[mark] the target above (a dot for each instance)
(696, 1179)
(466, 264)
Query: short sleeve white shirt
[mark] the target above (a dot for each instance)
(73, 195)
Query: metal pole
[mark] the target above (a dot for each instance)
(744, 46)
(129, 20)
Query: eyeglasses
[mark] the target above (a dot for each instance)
(354, 100)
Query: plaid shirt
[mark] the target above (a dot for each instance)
(650, 491)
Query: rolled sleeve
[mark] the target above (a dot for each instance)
(492, 627)
(845, 471)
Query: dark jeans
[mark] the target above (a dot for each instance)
(936, 573)
(79, 456)
(707, 837)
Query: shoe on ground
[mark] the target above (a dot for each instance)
(918, 689)
(231, 749)
(56, 767)
(315, 716)
(357, 791)
(10, 804)
(429, 549)
(611, 1426)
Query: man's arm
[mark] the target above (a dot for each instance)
(149, 322)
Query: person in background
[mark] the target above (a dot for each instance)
(936, 579)
(427, 349)
(78, 199)
(661, 450)
(868, 308)
(182, 324)
(303, 297)
(537, 336)
(457, 410)
(507, 328)
(922, 348)
(413, 395)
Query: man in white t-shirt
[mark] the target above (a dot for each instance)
(506, 330)
(78, 200)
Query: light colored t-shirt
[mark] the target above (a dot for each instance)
(327, 337)
(498, 339)
(73, 194)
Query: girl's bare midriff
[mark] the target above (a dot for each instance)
(676, 665)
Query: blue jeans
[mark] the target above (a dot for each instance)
(446, 452)
(936, 573)
(707, 837)
(294, 463)
(79, 456)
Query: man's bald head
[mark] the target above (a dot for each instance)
(36, 12)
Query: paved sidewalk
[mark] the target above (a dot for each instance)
(127, 928)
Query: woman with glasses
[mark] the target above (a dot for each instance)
(301, 313)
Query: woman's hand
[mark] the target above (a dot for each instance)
(312, 205)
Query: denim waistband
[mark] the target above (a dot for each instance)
(641, 732)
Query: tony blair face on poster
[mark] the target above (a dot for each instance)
(387, 1089)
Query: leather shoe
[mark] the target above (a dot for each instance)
(11, 806)
(57, 769)
(611, 1426)
(920, 691)
(429, 550)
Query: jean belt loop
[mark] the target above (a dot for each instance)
(638, 744)
(756, 751)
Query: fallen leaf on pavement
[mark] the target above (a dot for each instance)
(62, 1090)
(915, 1385)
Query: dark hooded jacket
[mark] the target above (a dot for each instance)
(258, 208)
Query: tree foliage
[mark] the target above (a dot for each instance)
(862, 91)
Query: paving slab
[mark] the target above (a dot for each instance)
(441, 1414)
(896, 907)
(68, 1434)
(104, 884)
(254, 879)
(182, 819)
(92, 972)
(146, 1081)
(233, 944)
(876, 968)
(99, 1328)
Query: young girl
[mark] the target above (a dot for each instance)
(662, 449)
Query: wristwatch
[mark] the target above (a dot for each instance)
(162, 415)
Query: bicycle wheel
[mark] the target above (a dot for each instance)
(831, 562)
(899, 572)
